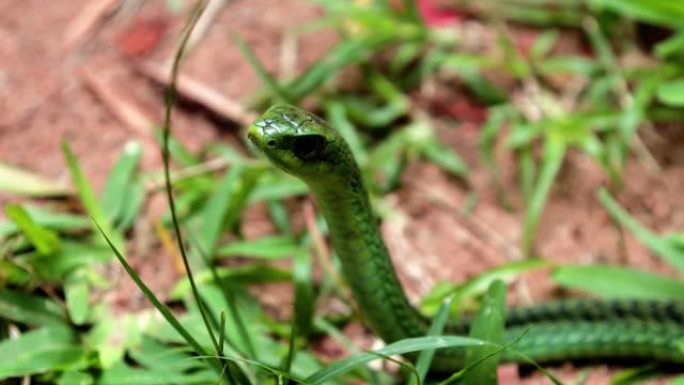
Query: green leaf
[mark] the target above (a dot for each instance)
(51, 348)
(337, 117)
(31, 310)
(118, 185)
(244, 274)
(486, 91)
(478, 284)
(77, 295)
(72, 255)
(446, 158)
(225, 206)
(153, 354)
(348, 51)
(672, 93)
(661, 12)
(124, 374)
(61, 222)
(212, 217)
(671, 46)
(277, 186)
(554, 153)
(400, 347)
(13, 273)
(488, 325)
(305, 299)
(176, 149)
(389, 158)
(574, 65)
(44, 240)
(619, 282)
(75, 377)
(636, 375)
(132, 206)
(275, 247)
(112, 335)
(16, 181)
(543, 44)
(436, 328)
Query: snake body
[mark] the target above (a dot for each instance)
(305, 146)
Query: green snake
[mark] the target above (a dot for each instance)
(305, 146)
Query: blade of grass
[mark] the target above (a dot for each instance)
(38, 351)
(554, 153)
(332, 331)
(87, 195)
(269, 248)
(214, 212)
(16, 181)
(77, 296)
(337, 117)
(45, 241)
(29, 309)
(165, 312)
(117, 186)
(132, 206)
(436, 328)
(305, 300)
(489, 326)
(660, 12)
(619, 282)
(266, 78)
(170, 100)
(400, 347)
(60, 222)
(232, 305)
(348, 51)
(665, 249)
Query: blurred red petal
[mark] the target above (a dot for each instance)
(141, 37)
(434, 15)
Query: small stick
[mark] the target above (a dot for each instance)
(204, 22)
(129, 113)
(320, 246)
(476, 226)
(200, 93)
(86, 21)
(211, 165)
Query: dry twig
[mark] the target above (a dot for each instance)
(200, 93)
(130, 114)
(94, 12)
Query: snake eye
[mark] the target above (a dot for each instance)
(308, 146)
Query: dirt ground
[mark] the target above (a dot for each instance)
(90, 72)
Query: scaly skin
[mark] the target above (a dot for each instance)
(305, 146)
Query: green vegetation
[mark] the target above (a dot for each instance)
(55, 328)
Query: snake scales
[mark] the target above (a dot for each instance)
(305, 146)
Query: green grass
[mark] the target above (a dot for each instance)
(55, 329)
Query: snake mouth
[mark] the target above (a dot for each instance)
(252, 138)
(255, 135)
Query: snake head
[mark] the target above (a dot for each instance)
(300, 143)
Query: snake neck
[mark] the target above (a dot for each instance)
(365, 261)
